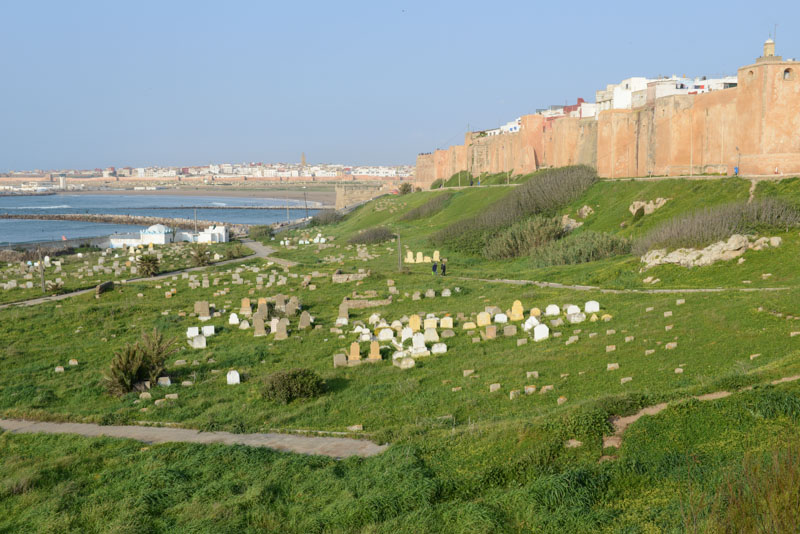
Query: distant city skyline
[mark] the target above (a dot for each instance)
(91, 84)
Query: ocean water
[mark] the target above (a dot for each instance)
(170, 206)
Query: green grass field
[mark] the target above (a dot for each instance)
(459, 461)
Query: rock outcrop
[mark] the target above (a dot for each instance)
(649, 206)
(734, 247)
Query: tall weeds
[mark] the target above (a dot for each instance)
(580, 248)
(704, 227)
(521, 238)
(543, 194)
(431, 207)
(379, 234)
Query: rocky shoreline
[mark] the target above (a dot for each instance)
(135, 220)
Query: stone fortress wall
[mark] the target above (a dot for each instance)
(755, 126)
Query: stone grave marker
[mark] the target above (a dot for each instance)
(374, 351)
(281, 332)
(355, 352)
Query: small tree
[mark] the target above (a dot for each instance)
(237, 250)
(148, 265)
(405, 188)
(261, 232)
(155, 349)
(137, 362)
(125, 370)
(199, 255)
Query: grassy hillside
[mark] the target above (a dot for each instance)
(461, 458)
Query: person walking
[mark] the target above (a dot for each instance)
(433, 268)
(443, 268)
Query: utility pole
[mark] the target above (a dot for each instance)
(41, 267)
(399, 255)
(691, 144)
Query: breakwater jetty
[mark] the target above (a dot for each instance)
(135, 220)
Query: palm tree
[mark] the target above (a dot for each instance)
(148, 265)
(155, 349)
(200, 255)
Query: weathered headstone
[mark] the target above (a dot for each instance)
(245, 309)
(355, 352)
(281, 332)
(517, 311)
(414, 323)
(305, 321)
(484, 319)
(232, 377)
(491, 332)
(374, 351)
(541, 332)
(258, 326)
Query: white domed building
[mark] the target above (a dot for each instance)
(158, 234)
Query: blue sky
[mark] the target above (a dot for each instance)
(123, 83)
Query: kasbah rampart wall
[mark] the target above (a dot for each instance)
(755, 126)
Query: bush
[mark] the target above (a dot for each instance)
(200, 255)
(580, 248)
(261, 232)
(434, 205)
(147, 264)
(370, 236)
(543, 194)
(326, 217)
(521, 238)
(405, 188)
(138, 362)
(437, 184)
(285, 386)
(718, 223)
(237, 250)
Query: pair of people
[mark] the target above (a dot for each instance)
(441, 266)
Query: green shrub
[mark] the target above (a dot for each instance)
(325, 217)
(718, 223)
(237, 250)
(521, 238)
(431, 207)
(639, 214)
(285, 386)
(580, 248)
(147, 264)
(543, 194)
(200, 255)
(405, 188)
(125, 371)
(379, 234)
(155, 349)
(261, 232)
(138, 362)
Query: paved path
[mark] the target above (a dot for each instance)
(259, 251)
(622, 423)
(322, 446)
(602, 290)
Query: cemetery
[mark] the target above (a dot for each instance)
(501, 397)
